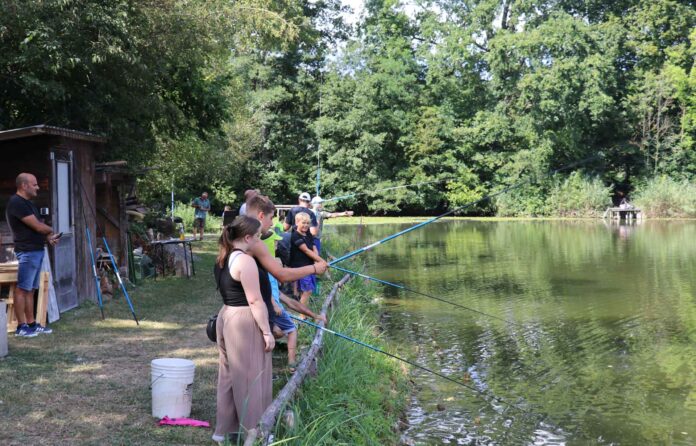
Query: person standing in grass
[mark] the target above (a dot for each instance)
(302, 253)
(244, 336)
(30, 235)
(202, 206)
(320, 214)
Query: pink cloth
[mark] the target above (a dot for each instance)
(183, 422)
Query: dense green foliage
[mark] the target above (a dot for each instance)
(225, 96)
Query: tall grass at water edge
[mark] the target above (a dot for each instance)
(664, 197)
(359, 395)
(577, 195)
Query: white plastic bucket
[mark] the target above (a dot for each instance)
(171, 382)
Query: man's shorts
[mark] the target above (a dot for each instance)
(199, 223)
(317, 243)
(283, 322)
(308, 283)
(29, 269)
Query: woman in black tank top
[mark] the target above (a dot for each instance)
(244, 336)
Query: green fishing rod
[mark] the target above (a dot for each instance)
(457, 209)
(486, 395)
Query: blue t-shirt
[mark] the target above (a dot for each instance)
(275, 290)
(205, 204)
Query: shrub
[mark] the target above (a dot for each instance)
(185, 211)
(665, 197)
(578, 196)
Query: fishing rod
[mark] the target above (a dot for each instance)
(94, 269)
(419, 366)
(457, 209)
(389, 188)
(123, 286)
(111, 257)
(411, 290)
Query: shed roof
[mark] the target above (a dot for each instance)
(36, 130)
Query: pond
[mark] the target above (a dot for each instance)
(576, 332)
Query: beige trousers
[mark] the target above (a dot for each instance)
(245, 375)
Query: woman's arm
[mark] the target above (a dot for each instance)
(245, 268)
(261, 253)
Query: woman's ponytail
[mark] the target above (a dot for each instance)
(239, 228)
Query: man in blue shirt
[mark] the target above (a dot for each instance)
(202, 205)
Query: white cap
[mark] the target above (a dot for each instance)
(304, 196)
(317, 200)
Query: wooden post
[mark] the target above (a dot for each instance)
(9, 277)
(42, 304)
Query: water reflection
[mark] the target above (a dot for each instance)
(601, 349)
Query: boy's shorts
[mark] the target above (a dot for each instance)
(308, 283)
(199, 223)
(283, 322)
(29, 269)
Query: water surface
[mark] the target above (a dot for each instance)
(598, 338)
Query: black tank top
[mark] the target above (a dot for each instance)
(232, 291)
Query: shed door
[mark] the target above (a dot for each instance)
(64, 268)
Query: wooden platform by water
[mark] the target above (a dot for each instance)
(619, 213)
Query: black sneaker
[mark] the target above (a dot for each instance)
(40, 329)
(25, 331)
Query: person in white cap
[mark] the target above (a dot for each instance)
(321, 214)
(302, 206)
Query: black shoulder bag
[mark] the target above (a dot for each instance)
(211, 326)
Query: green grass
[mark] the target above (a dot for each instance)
(359, 395)
(88, 382)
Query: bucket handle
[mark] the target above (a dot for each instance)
(161, 376)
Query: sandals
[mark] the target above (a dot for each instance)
(292, 367)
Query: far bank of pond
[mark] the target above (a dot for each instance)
(603, 324)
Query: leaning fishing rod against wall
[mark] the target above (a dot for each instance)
(108, 249)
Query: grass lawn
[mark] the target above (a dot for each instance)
(88, 382)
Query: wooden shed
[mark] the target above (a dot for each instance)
(63, 162)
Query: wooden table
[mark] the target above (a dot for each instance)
(175, 241)
(8, 278)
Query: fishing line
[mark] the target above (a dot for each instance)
(457, 209)
(389, 188)
(422, 367)
(411, 290)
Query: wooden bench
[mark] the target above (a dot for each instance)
(8, 278)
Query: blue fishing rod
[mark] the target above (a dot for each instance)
(457, 209)
(123, 286)
(486, 395)
(94, 270)
(111, 257)
(389, 188)
(411, 290)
